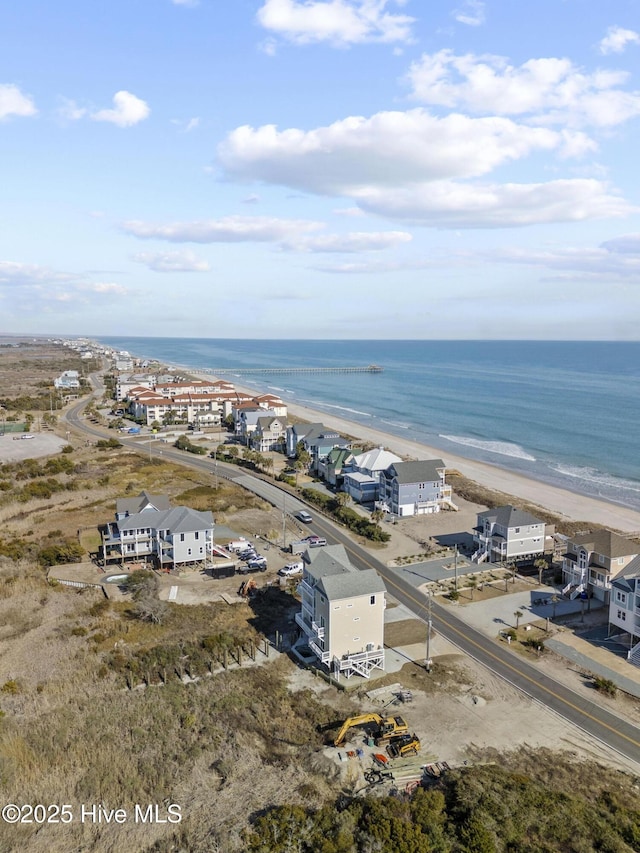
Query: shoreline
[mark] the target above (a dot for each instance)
(562, 502)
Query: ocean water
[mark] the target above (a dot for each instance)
(565, 413)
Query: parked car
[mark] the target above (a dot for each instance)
(291, 570)
(245, 556)
(304, 517)
(253, 566)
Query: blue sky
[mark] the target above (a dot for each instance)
(320, 168)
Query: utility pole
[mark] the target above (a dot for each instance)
(455, 569)
(428, 661)
(284, 522)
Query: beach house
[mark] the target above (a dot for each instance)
(342, 613)
(624, 609)
(361, 477)
(508, 534)
(593, 560)
(148, 528)
(269, 433)
(414, 488)
(331, 466)
(317, 439)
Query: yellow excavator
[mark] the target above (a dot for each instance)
(384, 727)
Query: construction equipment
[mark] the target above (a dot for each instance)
(401, 745)
(247, 588)
(384, 728)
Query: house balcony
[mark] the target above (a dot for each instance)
(303, 623)
(319, 652)
(361, 663)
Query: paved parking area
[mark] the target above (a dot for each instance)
(496, 614)
(13, 448)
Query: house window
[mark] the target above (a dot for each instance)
(356, 639)
(517, 530)
(182, 537)
(601, 558)
(372, 600)
(356, 618)
(620, 561)
(336, 607)
(621, 597)
(349, 605)
(197, 534)
(189, 551)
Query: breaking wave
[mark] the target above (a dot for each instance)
(595, 477)
(503, 448)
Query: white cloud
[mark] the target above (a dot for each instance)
(69, 110)
(127, 110)
(358, 241)
(616, 40)
(192, 3)
(172, 261)
(339, 22)
(627, 244)
(13, 102)
(448, 204)
(591, 263)
(390, 148)
(290, 235)
(348, 211)
(228, 229)
(551, 89)
(32, 287)
(471, 13)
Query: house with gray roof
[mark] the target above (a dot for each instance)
(149, 529)
(593, 560)
(342, 613)
(361, 478)
(269, 433)
(317, 439)
(507, 534)
(624, 609)
(415, 488)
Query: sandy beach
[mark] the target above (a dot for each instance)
(562, 502)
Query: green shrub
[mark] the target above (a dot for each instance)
(108, 444)
(605, 685)
(67, 551)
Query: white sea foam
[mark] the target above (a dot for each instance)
(275, 388)
(595, 477)
(503, 448)
(397, 424)
(347, 409)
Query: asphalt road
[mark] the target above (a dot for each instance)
(594, 721)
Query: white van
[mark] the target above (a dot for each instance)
(239, 545)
